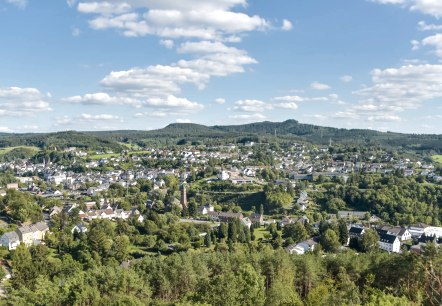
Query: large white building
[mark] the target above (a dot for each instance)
(389, 243)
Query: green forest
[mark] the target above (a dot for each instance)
(186, 133)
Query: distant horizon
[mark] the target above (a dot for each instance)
(210, 126)
(92, 65)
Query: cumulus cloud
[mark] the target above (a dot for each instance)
(423, 26)
(346, 78)
(384, 118)
(395, 90)
(248, 117)
(220, 101)
(290, 99)
(103, 8)
(286, 105)
(218, 60)
(86, 120)
(319, 86)
(183, 121)
(429, 7)
(173, 102)
(253, 106)
(168, 43)
(16, 101)
(102, 98)
(434, 41)
(286, 25)
(173, 19)
(405, 87)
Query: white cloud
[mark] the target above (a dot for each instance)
(104, 8)
(319, 86)
(384, 118)
(174, 19)
(183, 121)
(153, 114)
(435, 41)
(286, 25)
(405, 87)
(290, 99)
(168, 43)
(346, 78)
(220, 101)
(248, 117)
(86, 119)
(18, 3)
(253, 106)
(16, 101)
(168, 79)
(429, 7)
(423, 26)
(174, 102)
(415, 45)
(102, 98)
(286, 105)
(345, 115)
(4, 129)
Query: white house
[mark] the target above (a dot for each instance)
(205, 209)
(389, 243)
(224, 175)
(401, 232)
(79, 228)
(10, 240)
(302, 247)
(246, 222)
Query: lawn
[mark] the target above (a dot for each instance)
(437, 158)
(101, 156)
(3, 151)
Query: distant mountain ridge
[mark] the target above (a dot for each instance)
(289, 130)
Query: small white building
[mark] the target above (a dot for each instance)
(389, 243)
(10, 240)
(224, 175)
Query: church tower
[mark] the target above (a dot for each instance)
(183, 199)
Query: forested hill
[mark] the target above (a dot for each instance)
(59, 140)
(287, 130)
(182, 133)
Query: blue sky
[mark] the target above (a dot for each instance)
(142, 64)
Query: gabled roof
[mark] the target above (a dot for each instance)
(12, 236)
(356, 230)
(387, 238)
(41, 226)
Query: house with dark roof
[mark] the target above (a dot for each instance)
(257, 218)
(401, 232)
(389, 243)
(225, 216)
(356, 232)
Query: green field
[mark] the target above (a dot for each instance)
(437, 158)
(7, 150)
(100, 156)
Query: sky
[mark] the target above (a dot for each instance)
(143, 64)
